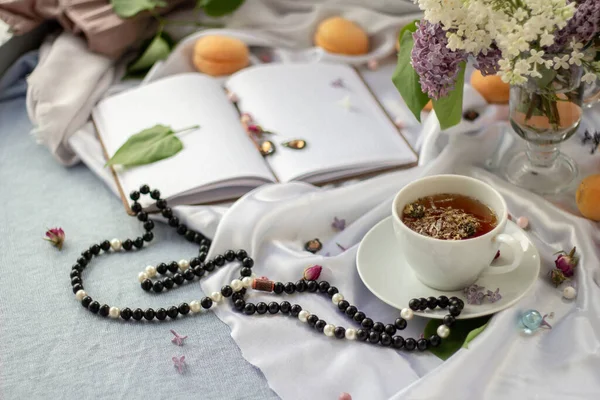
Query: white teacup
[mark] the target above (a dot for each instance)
(453, 264)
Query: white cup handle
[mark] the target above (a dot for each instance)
(517, 251)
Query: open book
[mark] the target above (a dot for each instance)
(329, 106)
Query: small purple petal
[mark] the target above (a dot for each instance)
(338, 224)
(341, 247)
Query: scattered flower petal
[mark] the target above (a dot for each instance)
(399, 123)
(341, 247)
(312, 273)
(179, 363)
(494, 296)
(338, 83)
(313, 246)
(345, 396)
(178, 340)
(338, 224)
(346, 103)
(232, 97)
(523, 222)
(56, 236)
(373, 65)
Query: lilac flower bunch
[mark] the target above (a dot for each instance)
(475, 295)
(582, 28)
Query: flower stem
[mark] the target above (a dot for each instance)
(189, 128)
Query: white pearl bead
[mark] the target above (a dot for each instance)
(523, 222)
(303, 315)
(115, 244)
(351, 334)
(407, 314)
(183, 264)
(247, 281)
(216, 297)
(80, 295)
(142, 276)
(195, 306)
(114, 312)
(150, 271)
(329, 330)
(443, 331)
(337, 298)
(236, 285)
(568, 293)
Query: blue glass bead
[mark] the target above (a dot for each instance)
(531, 320)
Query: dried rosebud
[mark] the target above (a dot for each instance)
(56, 236)
(313, 246)
(246, 118)
(255, 128)
(312, 273)
(414, 210)
(557, 277)
(566, 263)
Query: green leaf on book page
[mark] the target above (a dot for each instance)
(129, 8)
(148, 146)
(449, 109)
(461, 334)
(405, 78)
(158, 49)
(218, 8)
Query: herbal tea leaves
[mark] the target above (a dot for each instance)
(129, 8)
(148, 146)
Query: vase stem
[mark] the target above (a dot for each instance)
(542, 156)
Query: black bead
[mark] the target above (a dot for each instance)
(301, 286)
(142, 216)
(77, 267)
(320, 325)
(155, 194)
(289, 288)
(273, 307)
(247, 272)
(75, 273)
(105, 245)
(178, 279)
(359, 316)
(127, 244)
(432, 302)
(198, 237)
(378, 327)
(167, 213)
(339, 332)
(87, 254)
(139, 242)
(161, 204)
(172, 312)
(323, 286)
(237, 295)
(161, 314)
(189, 235)
(312, 286)
(284, 307)
(136, 207)
(261, 307)
(230, 255)
(342, 305)
(173, 221)
(367, 323)
(386, 340)
(249, 309)
(350, 311)
(173, 267)
(203, 249)
(443, 301)
(331, 291)
(146, 284)
(202, 256)
(157, 286)
(226, 291)
(184, 308)
(362, 334)
(168, 283)
(104, 309)
(205, 242)
(454, 310)
(194, 262)
(149, 314)
(410, 344)
(199, 270)
(449, 320)
(137, 314)
(400, 323)
(459, 303)
(134, 195)
(85, 302)
(278, 287)
(181, 229)
(126, 314)
(374, 337)
(219, 260)
(206, 302)
(239, 304)
(248, 262)
(422, 344)
(397, 342)
(82, 261)
(94, 306)
(77, 287)
(95, 249)
(295, 310)
(241, 254)
(144, 189)
(422, 304)
(149, 225)
(435, 340)
(209, 266)
(390, 329)
(161, 268)
(189, 274)
(312, 319)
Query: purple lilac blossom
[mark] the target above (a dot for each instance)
(488, 63)
(583, 26)
(436, 65)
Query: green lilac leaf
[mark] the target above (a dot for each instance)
(158, 49)
(461, 333)
(449, 109)
(129, 8)
(405, 78)
(218, 8)
(148, 146)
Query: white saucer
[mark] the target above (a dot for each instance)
(384, 272)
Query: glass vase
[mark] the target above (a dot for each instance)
(545, 111)
(591, 94)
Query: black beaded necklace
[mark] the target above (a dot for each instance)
(179, 272)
